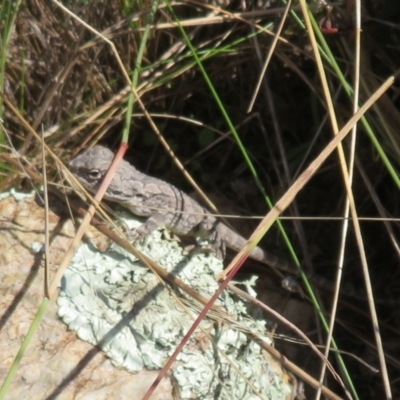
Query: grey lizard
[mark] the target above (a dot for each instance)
(163, 204)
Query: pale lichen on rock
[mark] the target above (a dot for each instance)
(114, 301)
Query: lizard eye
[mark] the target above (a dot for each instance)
(94, 174)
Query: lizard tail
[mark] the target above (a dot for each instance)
(236, 242)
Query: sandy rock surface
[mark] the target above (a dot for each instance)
(57, 364)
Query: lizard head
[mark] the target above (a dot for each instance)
(91, 166)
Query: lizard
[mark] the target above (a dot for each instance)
(163, 204)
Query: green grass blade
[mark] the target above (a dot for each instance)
(32, 329)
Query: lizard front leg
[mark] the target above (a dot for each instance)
(151, 224)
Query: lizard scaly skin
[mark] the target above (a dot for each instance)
(163, 204)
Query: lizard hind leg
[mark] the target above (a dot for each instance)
(215, 244)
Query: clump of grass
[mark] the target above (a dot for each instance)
(66, 81)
